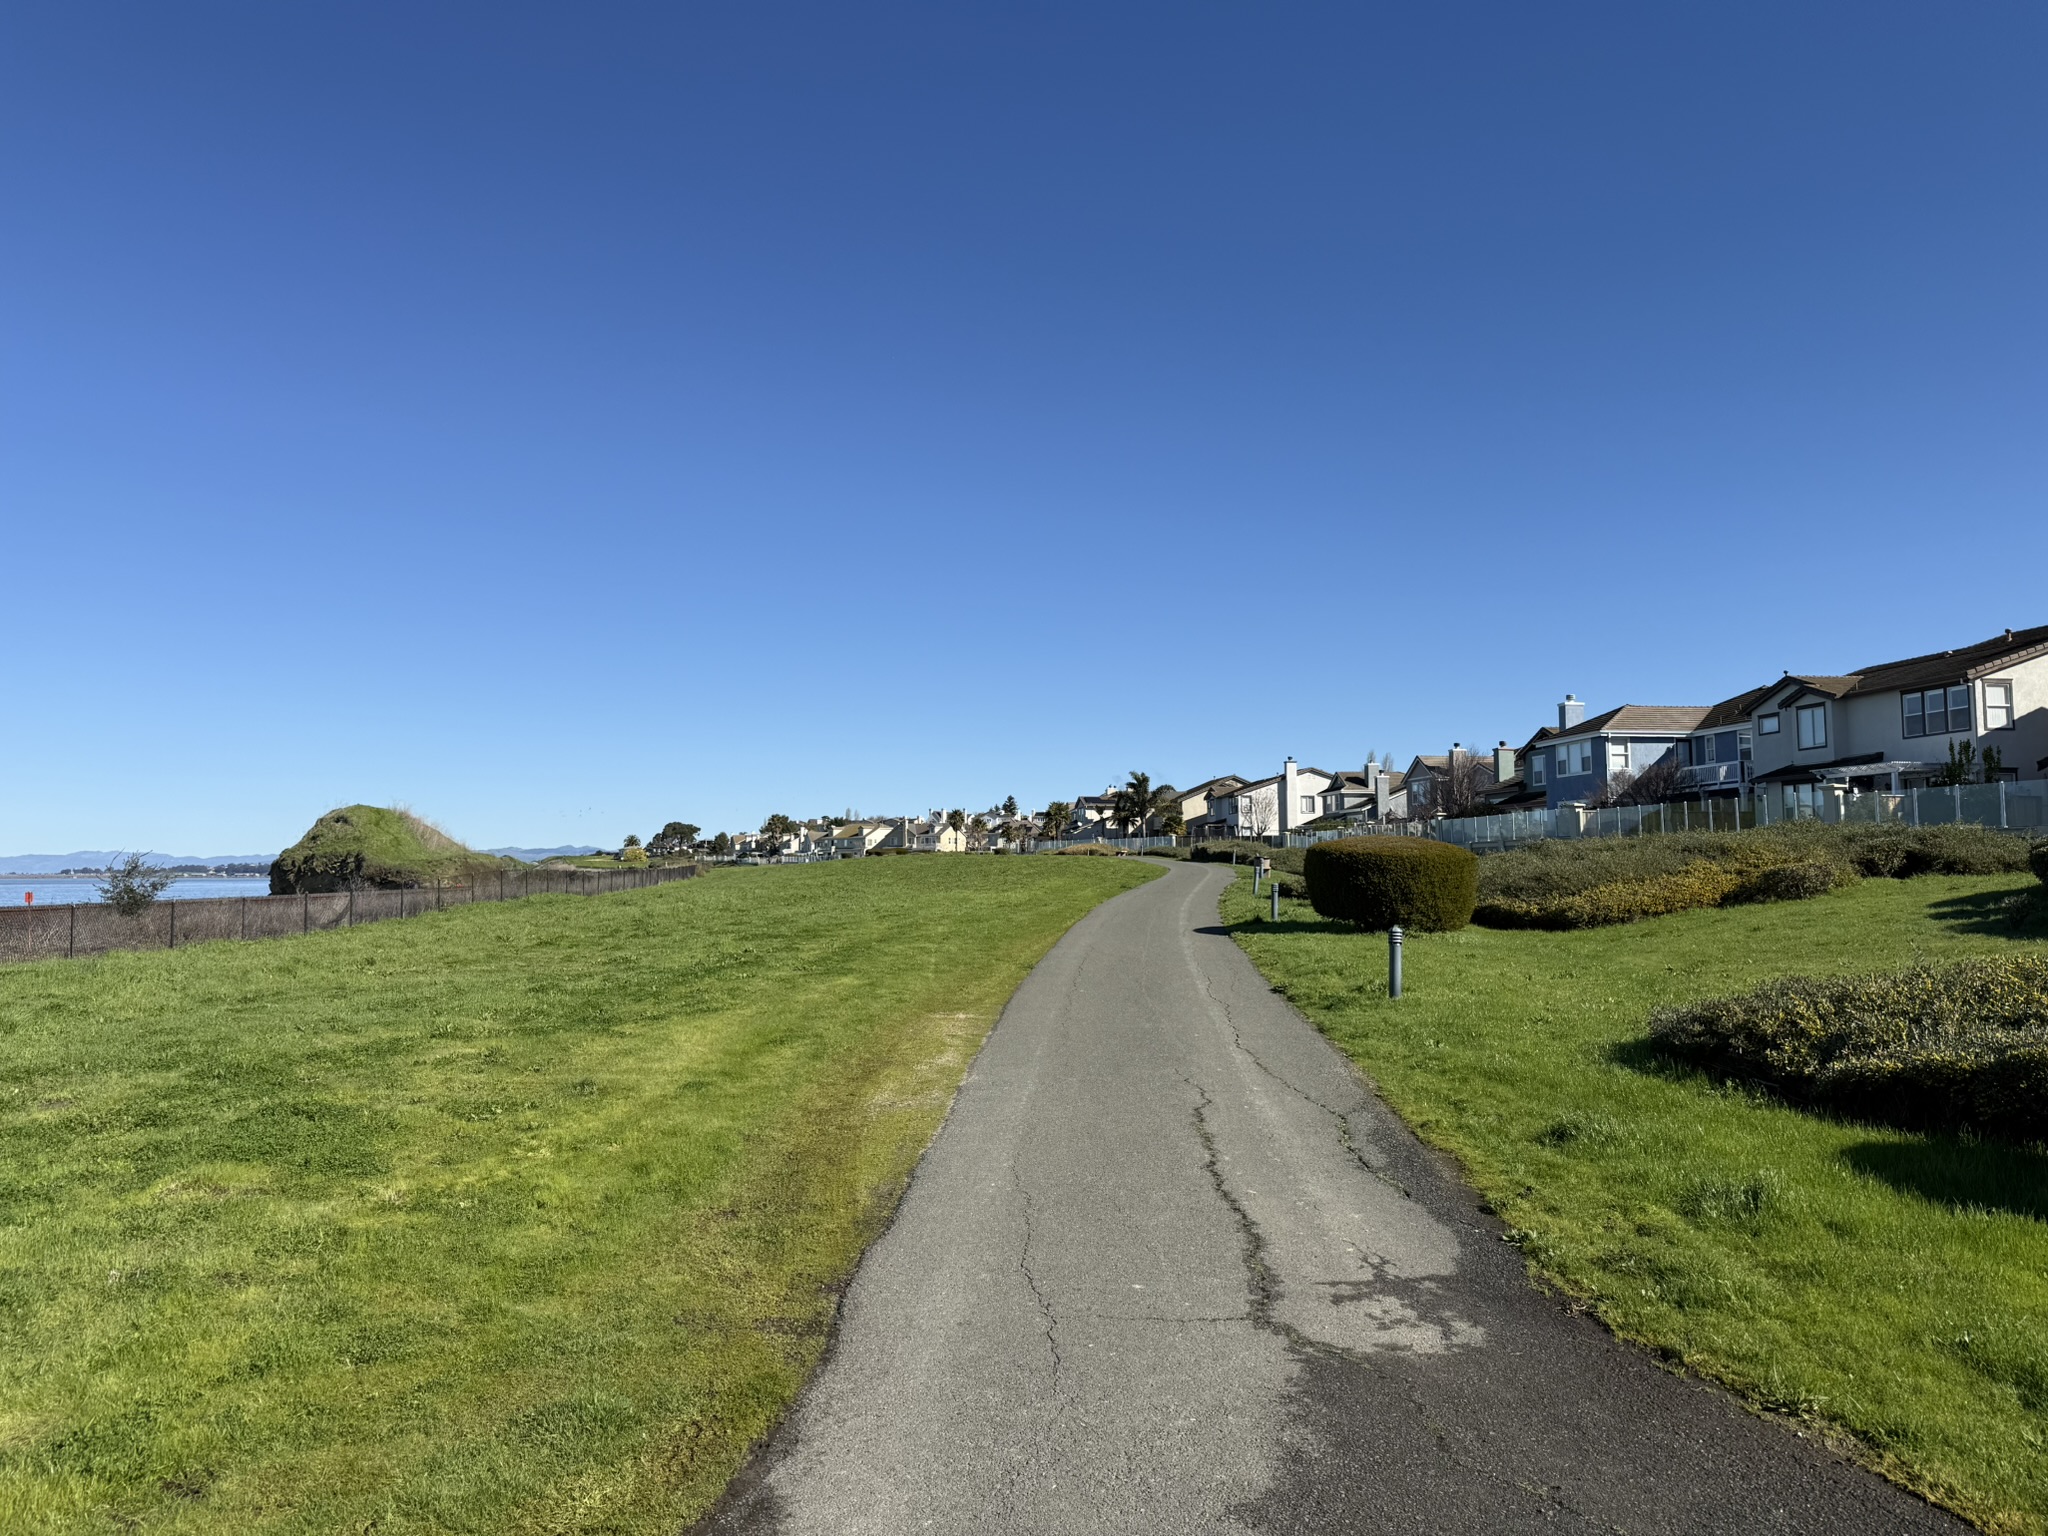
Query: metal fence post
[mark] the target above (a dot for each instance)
(1276, 901)
(2001, 804)
(1394, 961)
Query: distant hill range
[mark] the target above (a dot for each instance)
(535, 855)
(99, 858)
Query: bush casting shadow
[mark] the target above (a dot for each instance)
(1944, 1170)
(1992, 913)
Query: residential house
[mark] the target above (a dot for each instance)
(1715, 758)
(854, 841)
(923, 836)
(1364, 796)
(1287, 802)
(1197, 803)
(1892, 726)
(1512, 789)
(1574, 762)
(1430, 778)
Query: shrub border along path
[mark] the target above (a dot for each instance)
(1851, 1277)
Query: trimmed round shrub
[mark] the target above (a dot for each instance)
(2037, 857)
(1800, 880)
(1382, 882)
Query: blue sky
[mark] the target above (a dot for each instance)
(565, 420)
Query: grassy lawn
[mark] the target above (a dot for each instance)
(520, 1217)
(1891, 1284)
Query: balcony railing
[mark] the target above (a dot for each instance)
(1712, 775)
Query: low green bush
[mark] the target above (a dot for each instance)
(2037, 858)
(1562, 884)
(1288, 859)
(1954, 1047)
(1091, 851)
(1381, 882)
(1179, 852)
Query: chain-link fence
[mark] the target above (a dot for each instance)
(93, 928)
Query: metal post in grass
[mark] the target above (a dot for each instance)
(1276, 901)
(1394, 961)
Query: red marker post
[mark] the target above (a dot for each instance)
(29, 897)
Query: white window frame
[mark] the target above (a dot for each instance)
(1813, 727)
(1308, 805)
(2002, 706)
(1536, 762)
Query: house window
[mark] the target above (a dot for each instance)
(1940, 710)
(1998, 706)
(1308, 805)
(1767, 725)
(1536, 770)
(1703, 750)
(1813, 726)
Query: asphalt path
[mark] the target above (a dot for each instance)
(1171, 1266)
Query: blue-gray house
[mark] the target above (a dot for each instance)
(1576, 760)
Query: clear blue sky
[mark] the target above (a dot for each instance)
(563, 419)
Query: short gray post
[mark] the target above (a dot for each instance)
(1394, 961)
(1276, 901)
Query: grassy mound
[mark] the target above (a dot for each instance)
(375, 845)
(1955, 1047)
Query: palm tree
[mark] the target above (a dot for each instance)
(1057, 815)
(1138, 802)
(956, 821)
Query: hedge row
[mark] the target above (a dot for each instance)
(1559, 884)
(1382, 882)
(1288, 859)
(1960, 1046)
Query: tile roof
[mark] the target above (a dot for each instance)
(1736, 710)
(1954, 666)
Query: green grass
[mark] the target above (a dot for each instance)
(1890, 1284)
(517, 1217)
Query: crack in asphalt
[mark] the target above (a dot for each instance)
(1044, 1302)
(1262, 1285)
(1345, 1136)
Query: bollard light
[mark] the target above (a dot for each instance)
(1276, 901)
(1394, 962)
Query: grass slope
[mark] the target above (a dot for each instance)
(1856, 1276)
(519, 1217)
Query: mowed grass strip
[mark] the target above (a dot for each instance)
(519, 1217)
(1854, 1276)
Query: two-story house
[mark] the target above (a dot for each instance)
(1574, 761)
(1287, 802)
(1716, 758)
(1892, 726)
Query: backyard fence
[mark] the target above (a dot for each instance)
(2013, 806)
(93, 928)
(1127, 844)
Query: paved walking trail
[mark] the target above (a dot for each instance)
(1172, 1267)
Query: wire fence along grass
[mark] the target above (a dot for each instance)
(93, 928)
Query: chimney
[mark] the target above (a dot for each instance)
(1503, 763)
(1570, 712)
(1287, 793)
